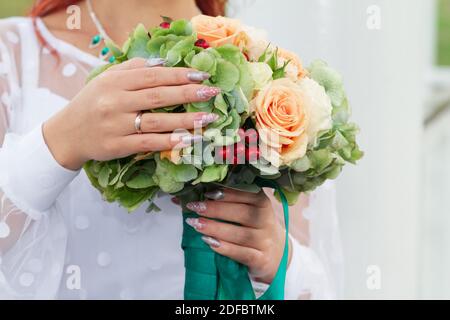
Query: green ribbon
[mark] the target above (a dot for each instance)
(211, 276)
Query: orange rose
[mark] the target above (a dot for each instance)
(294, 69)
(218, 31)
(289, 116)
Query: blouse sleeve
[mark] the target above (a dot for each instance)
(315, 270)
(32, 233)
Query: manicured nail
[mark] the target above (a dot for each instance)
(155, 62)
(195, 223)
(211, 241)
(198, 76)
(208, 92)
(190, 139)
(196, 206)
(208, 118)
(215, 194)
(175, 200)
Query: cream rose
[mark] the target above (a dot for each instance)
(218, 31)
(289, 116)
(256, 43)
(261, 74)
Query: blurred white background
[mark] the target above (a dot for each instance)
(394, 206)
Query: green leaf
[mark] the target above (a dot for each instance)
(184, 172)
(138, 46)
(141, 181)
(227, 75)
(230, 53)
(103, 177)
(301, 165)
(220, 104)
(204, 61)
(177, 53)
(320, 159)
(330, 79)
(181, 27)
(215, 173)
(291, 196)
(131, 199)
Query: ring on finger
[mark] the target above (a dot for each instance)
(138, 122)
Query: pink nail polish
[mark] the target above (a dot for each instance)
(208, 92)
(205, 119)
(198, 76)
(198, 207)
(211, 242)
(195, 223)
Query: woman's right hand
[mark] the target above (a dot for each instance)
(99, 123)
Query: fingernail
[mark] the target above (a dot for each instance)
(215, 194)
(155, 62)
(208, 92)
(196, 206)
(190, 139)
(211, 241)
(194, 223)
(198, 76)
(175, 200)
(208, 118)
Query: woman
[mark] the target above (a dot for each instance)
(58, 238)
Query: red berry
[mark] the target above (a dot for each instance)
(239, 149)
(252, 154)
(202, 43)
(224, 154)
(251, 137)
(165, 25)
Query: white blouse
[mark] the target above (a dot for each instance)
(60, 240)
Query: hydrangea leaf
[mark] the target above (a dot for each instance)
(204, 61)
(138, 45)
(215, 173)
(141, 181)
(227, 75)
(230, 53)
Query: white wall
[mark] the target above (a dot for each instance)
(379, 199)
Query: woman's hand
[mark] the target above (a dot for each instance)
(99, 123)
(254, 237)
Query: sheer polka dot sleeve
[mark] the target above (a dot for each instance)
(32, 237)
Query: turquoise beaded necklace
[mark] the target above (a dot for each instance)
(101, 37)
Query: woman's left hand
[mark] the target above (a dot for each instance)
(251, 235)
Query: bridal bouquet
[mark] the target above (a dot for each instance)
(280, 125)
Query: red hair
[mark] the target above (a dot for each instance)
(42, 8)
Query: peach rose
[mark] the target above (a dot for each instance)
(289, 116)
(218, 31)
(294, 69)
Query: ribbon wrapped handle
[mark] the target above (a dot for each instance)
(210, 276)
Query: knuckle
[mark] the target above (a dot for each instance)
(181, 75)
(187, 93)
(154, 98)
(150, 76)
(104, 106)
(110, 147)
(246, 236)
(145, 145)
(152, 123)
